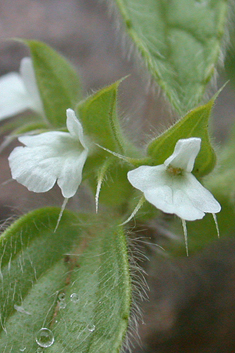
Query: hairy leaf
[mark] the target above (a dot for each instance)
(57, 80)
(179, 41)
(194, 124)
(99, 118)
(73, 282)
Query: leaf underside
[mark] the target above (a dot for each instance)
(179, 41)
(89, 270)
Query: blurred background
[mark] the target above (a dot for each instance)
(191, 303)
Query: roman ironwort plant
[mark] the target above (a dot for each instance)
(68, 279)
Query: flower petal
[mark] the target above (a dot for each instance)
(29, 79)
(71, 174)
(49, 157)
(14, 98)
(182, 195)
(185, 153)
(178, 193)
(75, 127)
(200, 196)
(147, 177)
(173, 201)
(184, 207)
(47, 138)
(161, 198)
(30, 169)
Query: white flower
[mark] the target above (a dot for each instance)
(172, 188)
(19, 91)
(51, 157)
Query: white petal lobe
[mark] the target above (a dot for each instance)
(30, 83)
(48, 158)
(185, 153)
(14, 98)
(29, 170)
(70, 176)
(200, 196)
(146, 177)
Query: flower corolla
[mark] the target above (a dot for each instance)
(172, 188)
(19, 91)
(51, 157)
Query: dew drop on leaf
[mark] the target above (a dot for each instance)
(74, 297)
(61, 296)
(91, 328)
(62, 305)
(45, 338)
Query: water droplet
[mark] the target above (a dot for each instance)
(45, 338)
(74, 298)
(62, 305)
(61, 296)
(91, 328)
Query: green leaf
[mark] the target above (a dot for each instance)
(194, 124)
(74, 282)
(179, 41)
(58, 82)
(99, 118)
